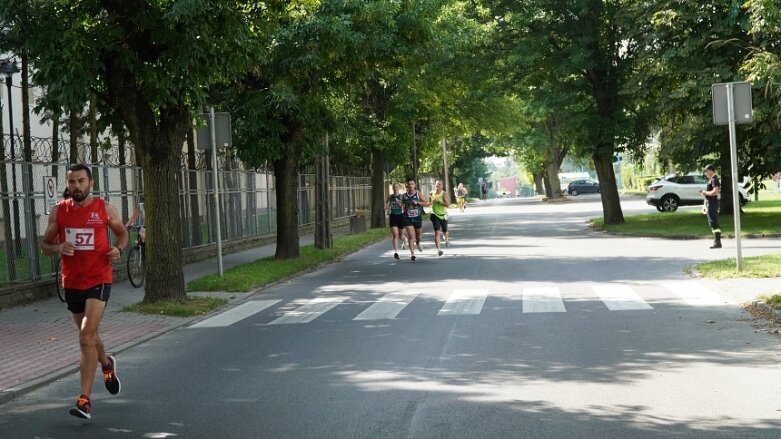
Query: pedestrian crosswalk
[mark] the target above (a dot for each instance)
(470, 302)
(464, 302)
(620, 298)
(542, 299)
(388, 307)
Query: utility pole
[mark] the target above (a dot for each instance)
(444, 162)
(323, 237)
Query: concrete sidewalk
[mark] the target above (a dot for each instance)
(39, 342)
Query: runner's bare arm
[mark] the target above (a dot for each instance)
(423, 202)
(118, 227)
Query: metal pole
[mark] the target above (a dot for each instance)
(444, 160)
(213, 132)
(17, 226)
(268, 201)
(734, 168)
(6, 207)
(32, 247)
(414, 154)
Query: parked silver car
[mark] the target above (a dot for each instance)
(671, 191)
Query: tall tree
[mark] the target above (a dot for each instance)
(151, 62)
(282, 104)
(689, 47)
(587, 51)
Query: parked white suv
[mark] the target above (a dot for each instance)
(671, 191)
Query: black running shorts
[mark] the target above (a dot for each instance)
(416, 222)
(438, 223)
(397, 221)
(77, 299)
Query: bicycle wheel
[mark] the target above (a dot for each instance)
(135, 267)
(58, 280)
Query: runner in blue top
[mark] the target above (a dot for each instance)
(413, 203)
(395, 217)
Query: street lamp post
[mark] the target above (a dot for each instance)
(9, 68)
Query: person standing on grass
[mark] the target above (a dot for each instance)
(395, 217)
(711, 194)
(413, 203)
(77, 232)
(440, 200)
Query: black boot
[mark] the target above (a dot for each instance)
(717, 241)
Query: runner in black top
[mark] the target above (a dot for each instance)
(413, 203)
(395, 217)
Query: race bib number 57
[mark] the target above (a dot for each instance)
(83, 239)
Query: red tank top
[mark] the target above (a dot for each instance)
(86, 228)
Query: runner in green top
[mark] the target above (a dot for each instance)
(440, 200)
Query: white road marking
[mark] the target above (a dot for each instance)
(542, 299)
(388, 307)
(236, 314)
(696, 295)
(464, 302)
(308, 312)
(620, 298)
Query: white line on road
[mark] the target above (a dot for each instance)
(464, 302)
(620, 298)
(542, 299)
(696, 295)
(234, 315)
(310, 311)
(388, 307)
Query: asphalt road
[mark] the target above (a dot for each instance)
(530, 326)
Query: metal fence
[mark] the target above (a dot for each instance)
(247, 206)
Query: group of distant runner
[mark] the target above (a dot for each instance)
(405, 214)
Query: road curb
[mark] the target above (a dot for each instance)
(12, 393)
(764, 306)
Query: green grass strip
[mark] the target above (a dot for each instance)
(758, 218)
(753, 267)
(262, 272)
(191, 306)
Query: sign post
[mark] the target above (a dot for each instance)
(219, 127)
(732, 105)
(49, 193)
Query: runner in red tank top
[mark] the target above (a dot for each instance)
(77, 232)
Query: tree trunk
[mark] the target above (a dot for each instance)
(552, 179)
(165, 278)
(611, 205)
(548, 185)
(286, 176)
(378, 190)
(726, 206)
(538, 185)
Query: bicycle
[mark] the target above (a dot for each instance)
(58, 278)
(136, 269)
